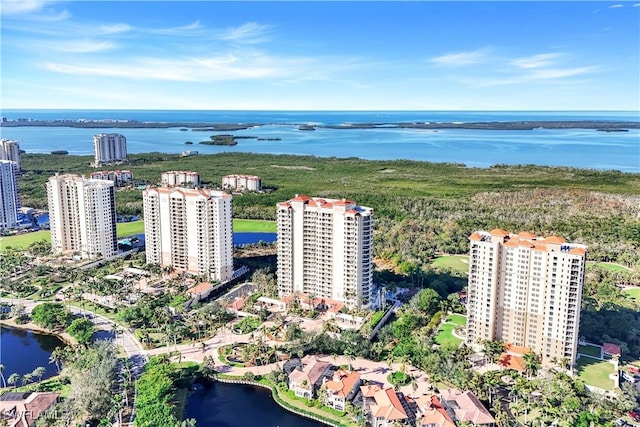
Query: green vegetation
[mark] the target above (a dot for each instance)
(457, 319)
(445, 336)
(50, 315)
(399, 378)
(124, 229)
(82, 330)
(220, 140)
(608, 313)
(155, 390)
(459, 263)
(247, 325)
(22, 241)
(590, 350)
(424, 208)
(595, 372)
(633, 293)
(253, 226)
(612, 266)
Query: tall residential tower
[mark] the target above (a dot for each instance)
(82, 216)
(325, 249)
(10, 150)
(9, 199)
(109, 147)
(525, 290)
(189, 230)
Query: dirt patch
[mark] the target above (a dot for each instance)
(388, 171)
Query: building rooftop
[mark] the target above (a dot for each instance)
(530, 241)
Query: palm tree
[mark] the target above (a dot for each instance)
(57, 356)
(4, 382)
(14, 379)
(493, 349)
(39, 372)
(531, 363)
(26, 379)
(350, 355)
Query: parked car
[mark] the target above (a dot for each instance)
(635, 416)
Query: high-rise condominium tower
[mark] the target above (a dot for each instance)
(189, 230)
(525, 290)
(10, 150)
(109, 147)
(9, 199)
(82, 216)
(325, 249)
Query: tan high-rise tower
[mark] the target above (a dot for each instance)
(525, 290)
(82, 216)
(189, 230)
(325, 249)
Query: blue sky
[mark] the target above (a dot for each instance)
(321, 55)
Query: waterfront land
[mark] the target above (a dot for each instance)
(607, 126)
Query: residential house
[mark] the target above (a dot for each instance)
(385, 407)
(431, 413)
(23, 409)
(341, 388)
(465, 406)
(307, 378)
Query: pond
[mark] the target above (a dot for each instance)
(246, 238)
(22, 351)
(233, 405)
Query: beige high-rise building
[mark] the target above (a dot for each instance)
(180, 178)
(242, 182)
(9, 198)
(82, 216)
(189, 230)
(525, 290)
(325, 249)
(109, 147)
(10, 150)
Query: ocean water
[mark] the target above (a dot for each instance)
(475, 148)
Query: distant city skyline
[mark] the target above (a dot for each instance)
(321, 55)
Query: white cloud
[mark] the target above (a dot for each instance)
(251, 32)
(459, 59)
(172, 31)
(616, 6)
(114, 28)
(536, 61)
(636, 5)
(81, 46)
(15, 7)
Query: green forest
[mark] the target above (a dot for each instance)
(420, 208)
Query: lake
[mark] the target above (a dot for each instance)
(233, 405)
(22, 350)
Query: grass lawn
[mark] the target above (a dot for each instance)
(612, 267)
(455, 262)
(590, 350)
(458, 319)
(254, 226)
(22, 241)
(445, 336)
(130, 228)
(595, 372)
(633, 293)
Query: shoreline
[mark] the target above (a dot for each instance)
(30, 326)
(599, 125)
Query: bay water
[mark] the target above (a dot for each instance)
(277, 132)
